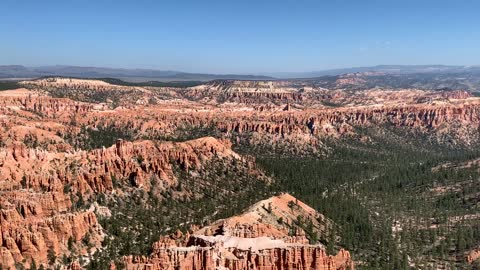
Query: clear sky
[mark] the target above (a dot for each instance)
(239, 36)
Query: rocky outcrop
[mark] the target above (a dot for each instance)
(71, 83)
(457, 94)
(32, 225)
(307, 123)
(309, 93)
(304, 121)
(92, 171)
(198, 258)
(247, 92)
(43, 105)
(313, 120)
(472, 256)
(253, 240)
(37, 215)
(94, 91)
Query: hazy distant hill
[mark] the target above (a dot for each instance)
(390, 69)
(420, 76)
(16, 71)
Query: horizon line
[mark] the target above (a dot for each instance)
(241, 73)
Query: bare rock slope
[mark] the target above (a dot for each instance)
(272, 234)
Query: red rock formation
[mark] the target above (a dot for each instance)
(75, 266)
(38, 159)
(472, 256)
(33, 224)
(297, 257)
(93, 170)
(47, 106)
(272, 123)
(244, 242)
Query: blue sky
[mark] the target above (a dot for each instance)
(239, 36)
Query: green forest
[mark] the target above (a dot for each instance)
(8, 85)
(368, 189)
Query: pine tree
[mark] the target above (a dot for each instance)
(51, 256)
(70, 243)
(33, 266)
(405, 262)
(331, 241)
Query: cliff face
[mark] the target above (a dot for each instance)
(37, 216)
(253, 240)
(295, 257)
(32, 225)
(316, 121)
(92, 171)
(40, 104)
(290, 116)
(428, 118)
(308, 93)
(94, 91)
(74, 84)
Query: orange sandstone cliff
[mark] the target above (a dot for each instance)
(257, 239)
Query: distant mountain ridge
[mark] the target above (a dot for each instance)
(390, 69)
(143, 75)
(132, 75)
